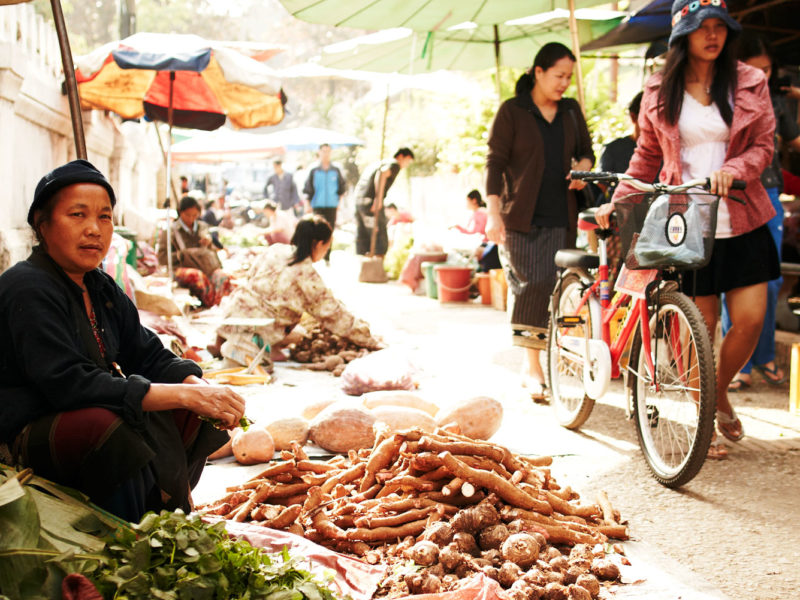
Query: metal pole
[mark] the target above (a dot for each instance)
(169, 175)
(71, 82)
(497, 62)
(576, 49)
(385, 118)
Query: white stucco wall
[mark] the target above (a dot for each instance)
(36, 132)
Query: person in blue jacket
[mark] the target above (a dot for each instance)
(324, 188)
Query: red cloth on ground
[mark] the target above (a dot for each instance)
(210, 291)
(76, 587)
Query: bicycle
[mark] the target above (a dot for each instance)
(649, 332)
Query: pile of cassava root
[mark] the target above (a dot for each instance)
(453, 505)
(322, 350)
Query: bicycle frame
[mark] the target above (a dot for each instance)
(637, 313)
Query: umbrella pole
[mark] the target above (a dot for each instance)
(385, 118)
(169, 175)
(71, 82)
(497, 63)
(576, 49)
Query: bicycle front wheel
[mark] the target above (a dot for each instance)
(564, 368)
(674, 409)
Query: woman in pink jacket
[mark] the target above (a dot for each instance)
(707, 115)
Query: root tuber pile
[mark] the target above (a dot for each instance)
(404, 500)
(325, 351)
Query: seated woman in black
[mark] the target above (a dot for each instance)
(88, 397)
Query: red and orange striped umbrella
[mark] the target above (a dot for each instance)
(147, 73)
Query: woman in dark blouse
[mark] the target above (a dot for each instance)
(89, 397)
(535, 139)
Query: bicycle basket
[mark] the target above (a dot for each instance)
(670, 230)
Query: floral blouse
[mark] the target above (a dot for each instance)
(274, 289)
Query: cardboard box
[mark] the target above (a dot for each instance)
(499, 287)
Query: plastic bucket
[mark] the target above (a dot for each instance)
(453, 282)
(485, 288)
(431, 289)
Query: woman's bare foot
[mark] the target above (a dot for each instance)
(772, 373)
(277, 355)
(717, 450)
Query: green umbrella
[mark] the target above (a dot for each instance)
(465, 47)
(436, 15)
(422, 15)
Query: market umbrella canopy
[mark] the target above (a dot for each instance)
(421, 15)
(467, 46)
(226, 144)
(311, 138)
(776, 20)
(643, 27)
(133, 78)
(223, 145)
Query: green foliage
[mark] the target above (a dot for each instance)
(397, 256)
(172, 556)
(466, 150)
(45, 528)
(91, 24)
(244, 422)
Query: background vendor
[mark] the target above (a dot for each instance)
(370, 193)
(194, 256)
(282, 285)
(88, 397)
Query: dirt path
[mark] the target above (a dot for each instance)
(734, 525)
(733, 528)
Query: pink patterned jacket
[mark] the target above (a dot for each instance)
(749, 150)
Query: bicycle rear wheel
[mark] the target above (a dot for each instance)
(563, 367)
(675, 413)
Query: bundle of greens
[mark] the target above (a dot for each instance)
(172, 556)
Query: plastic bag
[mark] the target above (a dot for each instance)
(671, 237)
(477, 587)
(383, 370)
(351, 577)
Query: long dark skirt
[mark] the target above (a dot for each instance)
(531, 274)
(121, 470)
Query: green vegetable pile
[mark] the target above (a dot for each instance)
(172, 556)
(244, 422)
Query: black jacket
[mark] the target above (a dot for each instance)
(515, 162)
(46, 362)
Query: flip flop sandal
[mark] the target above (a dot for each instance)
(717, 450)
(537, 390)
(725, 421)
(738, 385)
(771, 375)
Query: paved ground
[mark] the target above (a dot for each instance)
(731, 532)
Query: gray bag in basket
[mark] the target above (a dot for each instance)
(670, 237)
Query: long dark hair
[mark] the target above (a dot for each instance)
(476, 195)
(546, 57)
(309, 230)
(670, 94)
(752, 45)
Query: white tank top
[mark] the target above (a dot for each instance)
(704, 143)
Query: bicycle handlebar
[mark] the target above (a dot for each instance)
(605, 177)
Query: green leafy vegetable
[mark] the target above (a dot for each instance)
(172, 556)
(244, 422)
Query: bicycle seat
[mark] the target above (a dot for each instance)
(576, 259)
